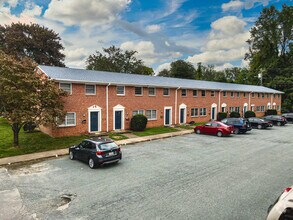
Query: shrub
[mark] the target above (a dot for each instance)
(221, 116)
(138, 122)
(249, 114)
(234, 115)
(271, 112)
(29, 126)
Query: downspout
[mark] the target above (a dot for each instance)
(271, 101)
(176, 105)
(249, 105)
(219, 106)
(107, 106)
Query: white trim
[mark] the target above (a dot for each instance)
(107, 106)
(68, 125)
(118, 108)
(134, 90)
(245, 105)
(95, 108)
(176, 91)
(170, 117)
(155, 90)
(182, 106)
(214, 105)
(90, 85)
(168, 91)
(70, 93)
(224, 105)
(123, 91)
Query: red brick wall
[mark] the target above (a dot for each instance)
(79, 103)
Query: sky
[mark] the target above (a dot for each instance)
(213, 32)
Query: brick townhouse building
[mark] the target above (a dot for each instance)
(101, 101)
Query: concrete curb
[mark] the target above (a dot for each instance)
(61, 152)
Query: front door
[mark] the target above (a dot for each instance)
(244, 109)
(94, 123)
(213, 113)
(182, 115)
(167, 116)
(118, 120)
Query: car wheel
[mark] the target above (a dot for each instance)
(279, 123)
(71, 155)
(236, 131)
(259, 126)
(219, 134)
(197, 131)
(91, 163)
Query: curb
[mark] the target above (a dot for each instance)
(62, 152)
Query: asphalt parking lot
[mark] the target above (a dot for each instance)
(186, 177)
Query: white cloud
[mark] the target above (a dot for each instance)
(153, 28)
(228, 26)
(173, 5)
(224, 66)
(85, 12)
(250, 3)
(232, 6)
(166, 66)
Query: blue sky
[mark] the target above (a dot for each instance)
(208, 31)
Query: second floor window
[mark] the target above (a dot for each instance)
(203, 93)
(213, 93)
(120, 90)
(224, 94)
(194, 93)
(166, 92)
(183, 92)
(232, 94)
(152, 91)
(66, 87)
(238, 94)
(90, 89)
(138, 91)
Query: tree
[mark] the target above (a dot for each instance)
(182, 69)
(271, 51)
(25, 97)
(32, 40)
(164, 72)
(116, 60)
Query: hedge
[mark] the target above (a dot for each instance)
(138, 122)
(221, 116)
(249, 114)
(271, 112)
(234, 115)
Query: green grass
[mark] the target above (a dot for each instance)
(31, 142)
(117, 137)
(155, 130)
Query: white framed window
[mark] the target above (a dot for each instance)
(238, 94)
(224, 94)
(138, 112)
(90, 89)
(258, 95)
(223, 109)
(279, 96)
(70, 120)
(203, 93)
(152, 91)
(120, 90)
(252, 108)
(232, 94)
(244, 94)
(262, 95)
(151, 114)
(262, 108)
(231, 109)
(258, 108)
(183, 92)
(213, 93)
(203, 111)
(138, 91)
(252, 95)
(268, 95)
(194, 92)
(66, 87)
(194, 112)
(237, 109)
(166, 91)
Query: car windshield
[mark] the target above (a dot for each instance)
(108, 146)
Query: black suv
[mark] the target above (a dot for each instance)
(259, 123)
(241, 125)
(96, 151)
(288, 116)
(276, 119)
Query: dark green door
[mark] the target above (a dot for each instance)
(167, 116)
(182, 115)
(94, 121)
(118, 120)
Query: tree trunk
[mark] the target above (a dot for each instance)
(16, 129)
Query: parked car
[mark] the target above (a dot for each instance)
(96, 151)
(214, 128)
(288, 116)
(282, 209)
(276, 119)
(241, 125)
(259, 123)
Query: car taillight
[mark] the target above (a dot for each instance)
(99, 153)
(243, 126)
(287, 189)
(118, 150)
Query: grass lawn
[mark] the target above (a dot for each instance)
(155, 130)
(117, 137)
(31, 142)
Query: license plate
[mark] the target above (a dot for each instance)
(111, 154)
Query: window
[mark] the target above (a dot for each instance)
(262, 95)
(212, 93)
(258, 108)
(120, 90)
(238, 94)
(166, 92)
(237, 109)
(66, 87)
(274, 95)
(231, 109)
(278, 96)
(223, 109)
(138, 91)
(268, 95)
(183, 92)
(224, 94)
(252, 108)
(70, 120)
(90, 89)
(151, 114)
(203, 93)
(232, 94)
(203, 111)
(194, 92)
(138, 112)
(194, 112)
(258, 95)
(262, 108)
(152, 91)
(244, 94)
(252, 95)
(279, 108)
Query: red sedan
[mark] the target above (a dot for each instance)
(214, 128)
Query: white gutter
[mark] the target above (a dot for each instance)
(219, 106)
(107, 106)
(176, 105)
(249, 105)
